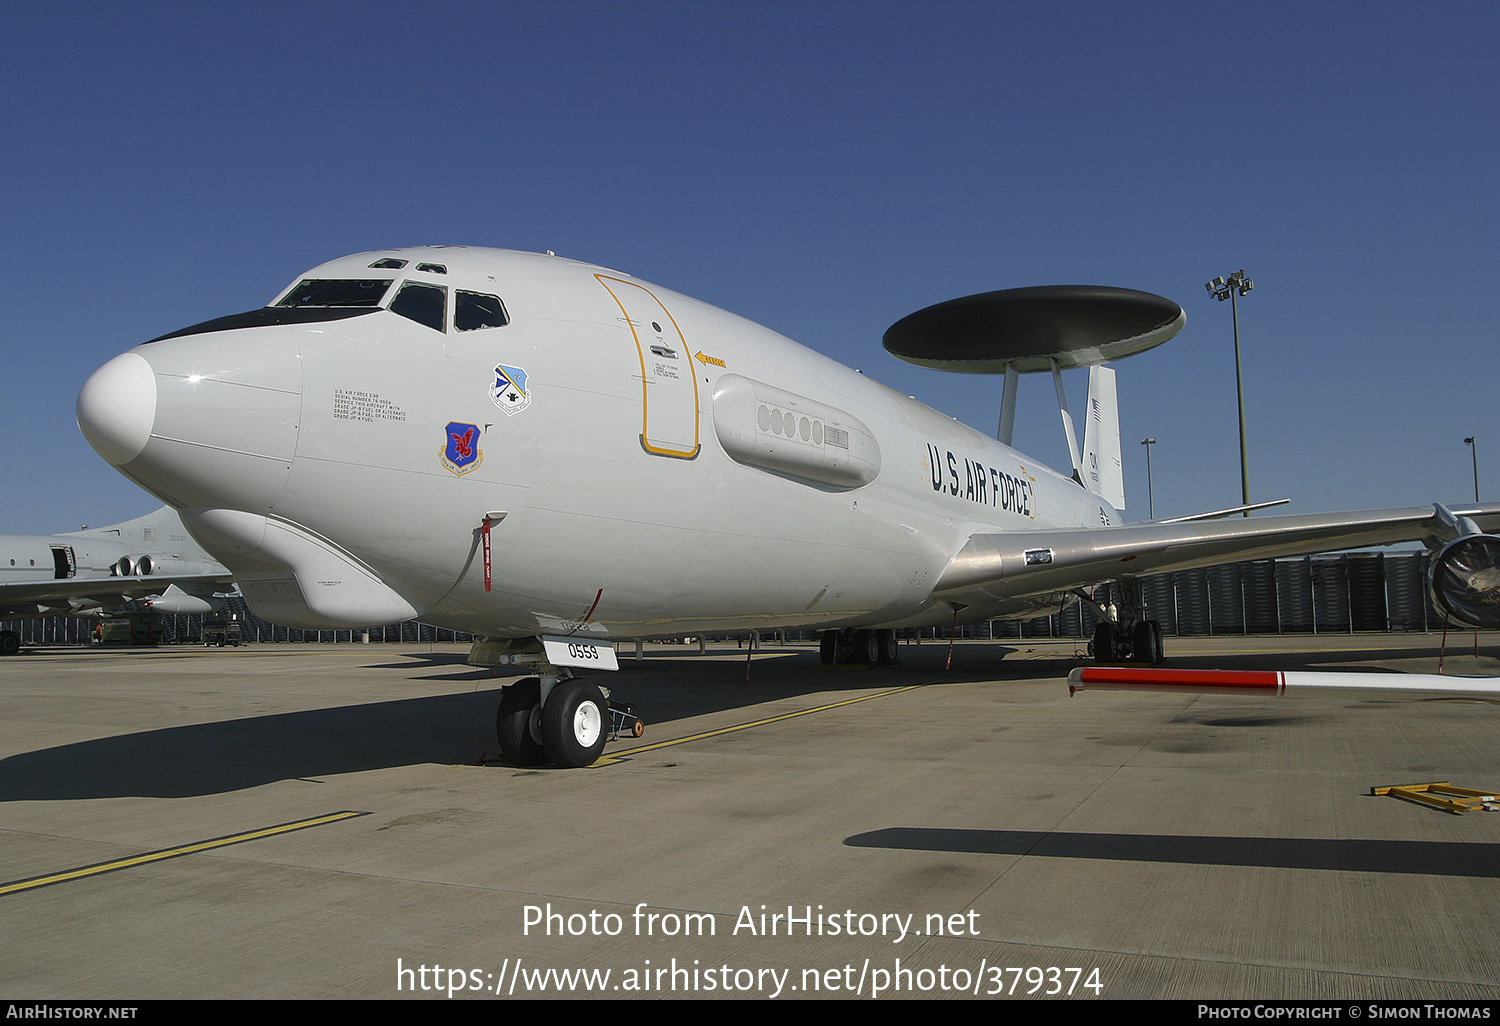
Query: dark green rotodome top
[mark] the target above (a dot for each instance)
(1076, 325)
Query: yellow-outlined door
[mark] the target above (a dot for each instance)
(669, 386)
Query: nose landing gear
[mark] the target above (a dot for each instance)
(564, 721)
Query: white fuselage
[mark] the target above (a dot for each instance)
(663, 467)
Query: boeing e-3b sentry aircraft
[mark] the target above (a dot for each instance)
(554, 456)
(148, 564)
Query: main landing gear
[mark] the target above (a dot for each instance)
(561, 720)
(1123, 634)
(857, 647)
(1139, 642)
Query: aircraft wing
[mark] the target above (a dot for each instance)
(21, 598)
(1019, 564)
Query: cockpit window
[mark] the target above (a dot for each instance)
(389, 263)
(337, 292)
(433, 268)
(476, 310)
(425, 304)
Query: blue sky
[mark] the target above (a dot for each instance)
(823, 168)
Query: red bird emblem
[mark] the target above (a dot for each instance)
(463, 444)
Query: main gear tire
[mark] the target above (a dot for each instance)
(1104, 642)
(516, 724)
(575, 723)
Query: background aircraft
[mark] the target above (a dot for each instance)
(553, 455)
(150, 564)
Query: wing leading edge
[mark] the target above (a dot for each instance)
(1006, 566)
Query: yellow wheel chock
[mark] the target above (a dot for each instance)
(1461, 800)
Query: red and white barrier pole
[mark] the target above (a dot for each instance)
(1278, 684)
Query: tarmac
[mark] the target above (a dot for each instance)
(334, 821)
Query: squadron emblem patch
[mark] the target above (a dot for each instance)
(462, 454)
(509, 389)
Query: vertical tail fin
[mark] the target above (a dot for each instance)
(1103, 473)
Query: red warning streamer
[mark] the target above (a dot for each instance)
(484, 534)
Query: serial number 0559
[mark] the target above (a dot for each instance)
(581, 652)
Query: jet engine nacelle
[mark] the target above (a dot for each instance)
(133, 566)
(1465, 580)
(161, 566)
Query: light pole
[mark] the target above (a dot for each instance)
(1150, 498)
(1474, 451)
(1222, 289)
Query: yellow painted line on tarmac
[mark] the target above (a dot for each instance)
(622, 755)
(173, 853)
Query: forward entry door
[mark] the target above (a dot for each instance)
(669, 386)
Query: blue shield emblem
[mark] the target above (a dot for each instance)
(462, 454)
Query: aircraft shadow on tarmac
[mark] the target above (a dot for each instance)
(230, 755)
(235, 754)
(1431, 858)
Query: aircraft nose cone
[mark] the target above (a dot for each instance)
(117, 408)
(202, 420)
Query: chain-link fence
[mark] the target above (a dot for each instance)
(1338, 593)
